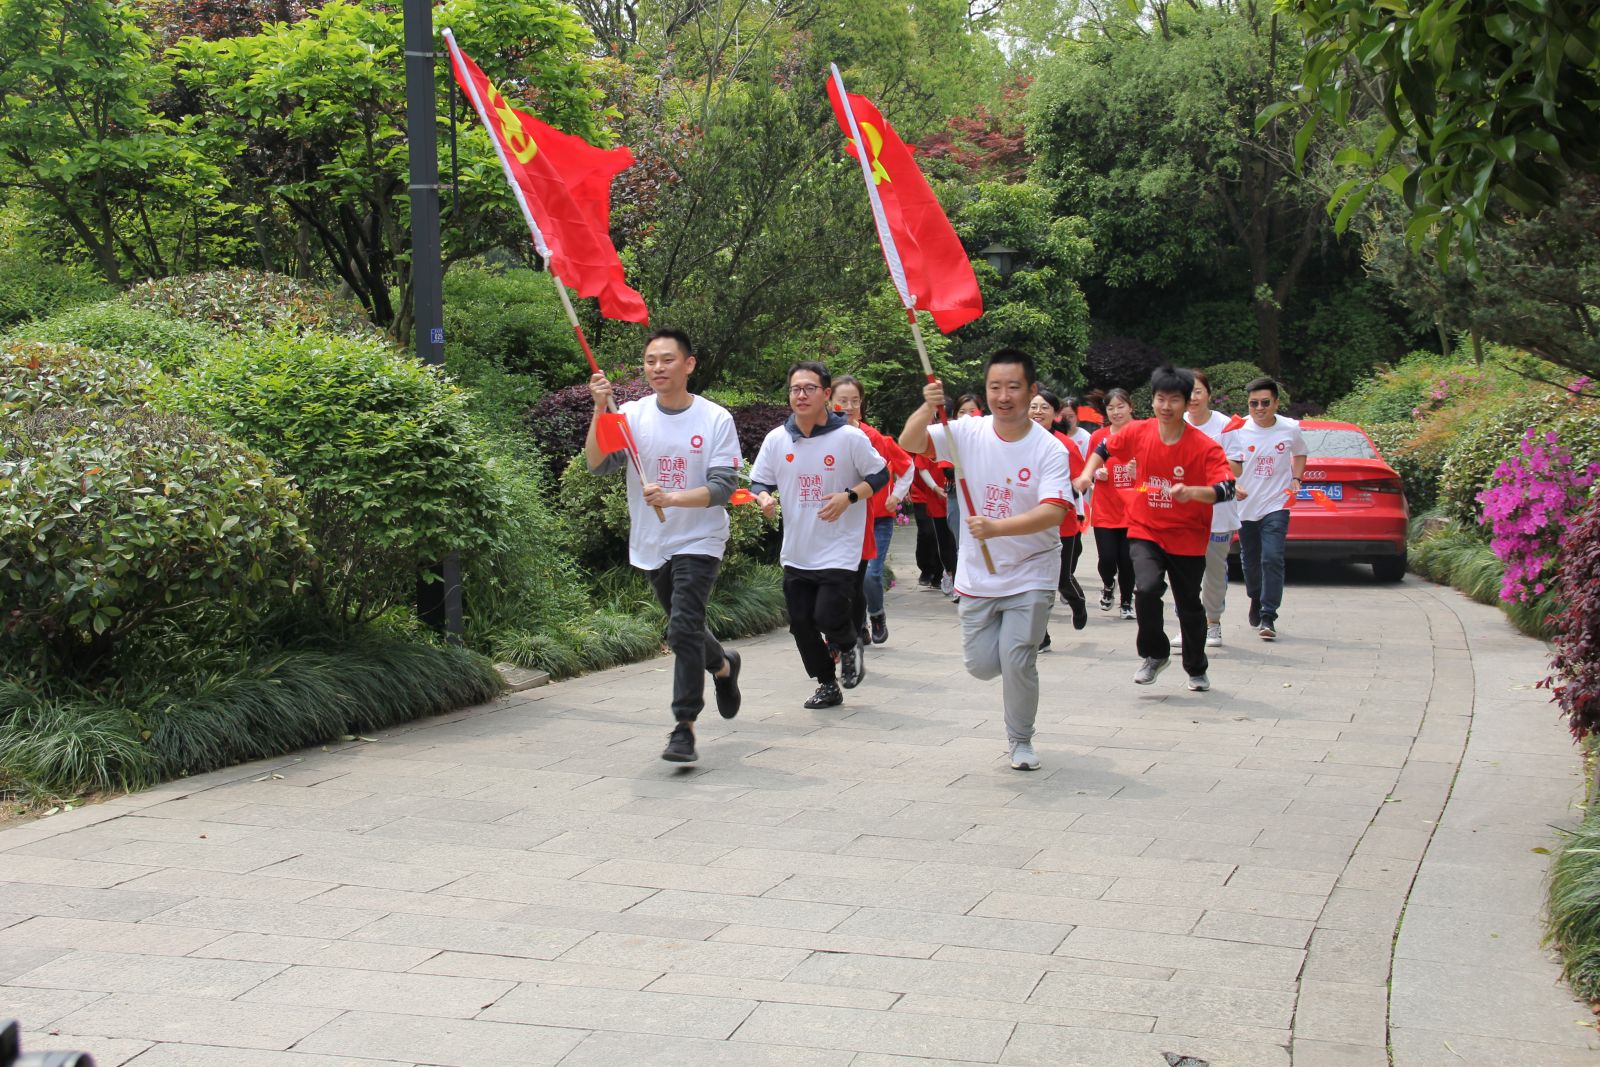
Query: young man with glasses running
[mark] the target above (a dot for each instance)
(688, 447)
(823, 471)
(1268, 455)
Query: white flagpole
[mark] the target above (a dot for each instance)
(897, 273)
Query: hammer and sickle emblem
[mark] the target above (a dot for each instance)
(874, 146)
(516, 139)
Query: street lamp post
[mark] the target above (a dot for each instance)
(439, 587)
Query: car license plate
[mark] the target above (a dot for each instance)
(1333, 492)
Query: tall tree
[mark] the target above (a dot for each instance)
(1146, 128)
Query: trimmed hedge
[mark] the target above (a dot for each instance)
(115, 327)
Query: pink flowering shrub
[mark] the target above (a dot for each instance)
(1575, 680)
(1533, 498)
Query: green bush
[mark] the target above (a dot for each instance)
(247, 301)
(1393, 394)
(1573, 922)
(1457, 556)
(31, 288)
(1228, 381)
(113, 517)
(258, 706)
(1342, 337)
(1416, 462)
(1209, 332)
(113, 326)
(39, 375)
(515, 319)
(380, 445)
(1493, 438)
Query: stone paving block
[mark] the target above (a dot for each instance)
(1473, 937)
(266, 917)
(470, 935)
(1171, 950)
(1309, 1053)
(173, 1055)
(658, 954)
(525, 969)
(1222, 897)
(1255, 929)
(1036, 1045)
(747, 911)
(188, 882)
(70, 902)
(444, 832)
(1017, 1012)
(1277, 880)
(875, 1031)
(778, 860)
(344, 870)
(42, 1008)
(321, 952)
(637, 824)
(20, 959)
(198, 855)
(1069, 964)
(88, 874)
(941, 852)
(1355, 957)
(555, 892)
(1203, 873)
(100, 934)
(972, 931)
(1361, 909)
(197, 1022)
(1465, 1000)
(1342, 1014)
(618, 846)
(349, 989)
(813, 941)
(792, 991)
(611, 1049)
(920, 824)
(945, 978)
(625, 922)
(1436, 1048)
(121, 972)
(1070, 911)
(955, 899)
(442, 1042)
(1175, 1004)
(669, 1014)
(107, 1051)
(730, 811)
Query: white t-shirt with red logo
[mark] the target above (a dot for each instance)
(675, 451)
(1007, 478)
(808, 470)
(1266, 457)
(1224, 516)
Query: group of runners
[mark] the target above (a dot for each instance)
(1163, 496)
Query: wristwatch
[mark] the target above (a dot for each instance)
(851, 493)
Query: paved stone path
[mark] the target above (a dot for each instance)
(1217, 875)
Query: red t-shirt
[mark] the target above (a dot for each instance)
(1179, 528)
(932, 499)
(877, 507)
(1110, 501)
(1071, 524)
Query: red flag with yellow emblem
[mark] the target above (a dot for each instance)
(929, 267)
(563, 185)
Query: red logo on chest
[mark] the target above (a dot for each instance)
(827, 461)
(1024, 474)
(789, 458)
(696, 441)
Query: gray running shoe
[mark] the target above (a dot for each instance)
(1023, 757)
(1148, 670)
(947, 584)
(1127, 611)
(1213, 635)
(1199, 683)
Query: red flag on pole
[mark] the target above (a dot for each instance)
(929, 267)
(611, 432)
(563, 185)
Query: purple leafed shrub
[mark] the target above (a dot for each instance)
(753, 422)
(1576, 681)
(1531, 502)
(1121, 361)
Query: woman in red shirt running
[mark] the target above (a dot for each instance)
(1109, 514)
(850, 399)
(1044, 409)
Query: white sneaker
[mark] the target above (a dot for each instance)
(947, 584)
(1023, 757)
(1199, 683)
(1213, 635)
(1148, 670)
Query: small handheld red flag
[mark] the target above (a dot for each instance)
(1233, 424)
(742, 496)
(563, 185)
(611, 432)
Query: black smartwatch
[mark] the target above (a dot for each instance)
(851, 493)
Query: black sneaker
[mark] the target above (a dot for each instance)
(1045, 644)
(1080, 610)
(852, 665)
(728, 695)
(826, 696)
(863, 637)
(680, 746)
(1255, 614)
(880, 629)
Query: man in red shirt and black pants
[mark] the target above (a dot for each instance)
(1179, 474)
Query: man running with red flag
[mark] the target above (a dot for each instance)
(1022, 492)
(688, 448)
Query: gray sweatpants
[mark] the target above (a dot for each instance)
(1000, 638)
(1214, 590)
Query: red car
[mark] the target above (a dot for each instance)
(1351, 504)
